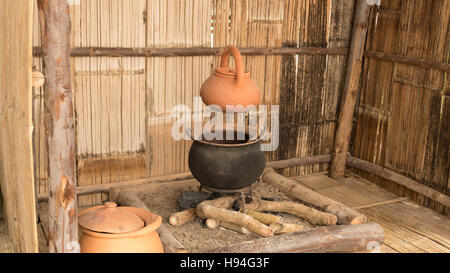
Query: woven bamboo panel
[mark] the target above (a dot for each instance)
(311, 85)
(402, 117)
(175, 80)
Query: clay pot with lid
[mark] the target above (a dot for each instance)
(112, 229)
(229, 86)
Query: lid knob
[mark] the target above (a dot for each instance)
(110, 205)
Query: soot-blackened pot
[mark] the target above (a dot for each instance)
(226, 165)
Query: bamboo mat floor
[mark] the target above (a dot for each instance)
(409, 227)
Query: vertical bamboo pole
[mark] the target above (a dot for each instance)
(59, 125)
(354, 66)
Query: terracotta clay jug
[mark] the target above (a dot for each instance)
(112, 229)
(228, 86)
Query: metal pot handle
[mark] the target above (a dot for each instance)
(233, 50)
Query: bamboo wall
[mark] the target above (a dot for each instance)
(403, 117)
(122, 104)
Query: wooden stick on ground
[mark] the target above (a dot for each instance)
(264, 218)
(340, 238)
(182, 217)
(234, 227)
(213, 224)
(217, 209)
(131, 199)
(345, 215)
(387, 202)
(313, 216)
(283, 228)
(399, 179)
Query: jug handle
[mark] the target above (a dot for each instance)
(237, 59)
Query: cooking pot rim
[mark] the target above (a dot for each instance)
(210, 143)
(248, 143)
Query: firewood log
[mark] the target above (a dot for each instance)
(283, 228)
(338, 238)
(234, 227)
(213, 224)
(216, 209)
(345, 215)
(182, 217)
(264, 218)
(311, 215)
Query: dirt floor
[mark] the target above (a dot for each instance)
(195, 236)
(161, 199)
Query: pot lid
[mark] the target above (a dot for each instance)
(110, 219)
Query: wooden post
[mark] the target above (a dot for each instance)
(16, 123)
(59, 126)
(354, 66)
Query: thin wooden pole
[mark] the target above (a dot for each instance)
(399, 179)
(354, 66)
(194, 51)
(406, 60)
(59, 125)
(301, 161)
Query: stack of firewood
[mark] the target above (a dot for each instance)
(218, 211)
(252, 217)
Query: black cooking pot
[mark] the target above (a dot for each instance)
(226, 164)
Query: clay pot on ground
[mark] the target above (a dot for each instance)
(228, 86)
(112, 229)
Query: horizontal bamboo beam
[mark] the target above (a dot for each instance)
(301, 161)
(194, 51)
(104, 188)
(269, 51)
(399, 179)
(266, 51)
(407, 60)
